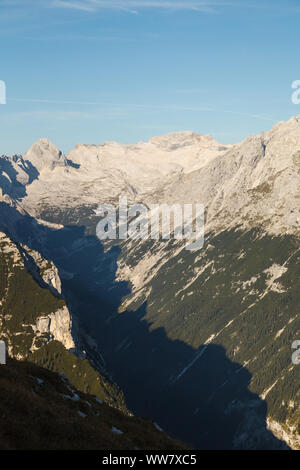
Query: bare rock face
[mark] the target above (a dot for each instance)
(287, 433)
(44, 269)
(92, 173)
(255, 182)
(44, 156)
(57, 326)
(31, 307)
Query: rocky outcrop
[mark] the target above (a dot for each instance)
(57, 326)
(285, 432)
(43, 269)
(32, 309)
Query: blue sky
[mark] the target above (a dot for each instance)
(91, 71)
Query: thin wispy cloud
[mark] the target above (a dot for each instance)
(136, 6)
(189, 91)
(63, 115)
(200, 6)
(82, 6)
(133, 6)
(113, 105)
(125, 107)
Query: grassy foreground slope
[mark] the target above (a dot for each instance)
(39, 409)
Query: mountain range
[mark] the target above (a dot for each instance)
(200, 342)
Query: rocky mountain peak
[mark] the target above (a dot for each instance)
(44, 155)
(175, 140)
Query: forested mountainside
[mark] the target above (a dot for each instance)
(53, 388)
(201, 341)
(36, 325)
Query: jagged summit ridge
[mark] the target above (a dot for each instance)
(255, 181)
(45, 155)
